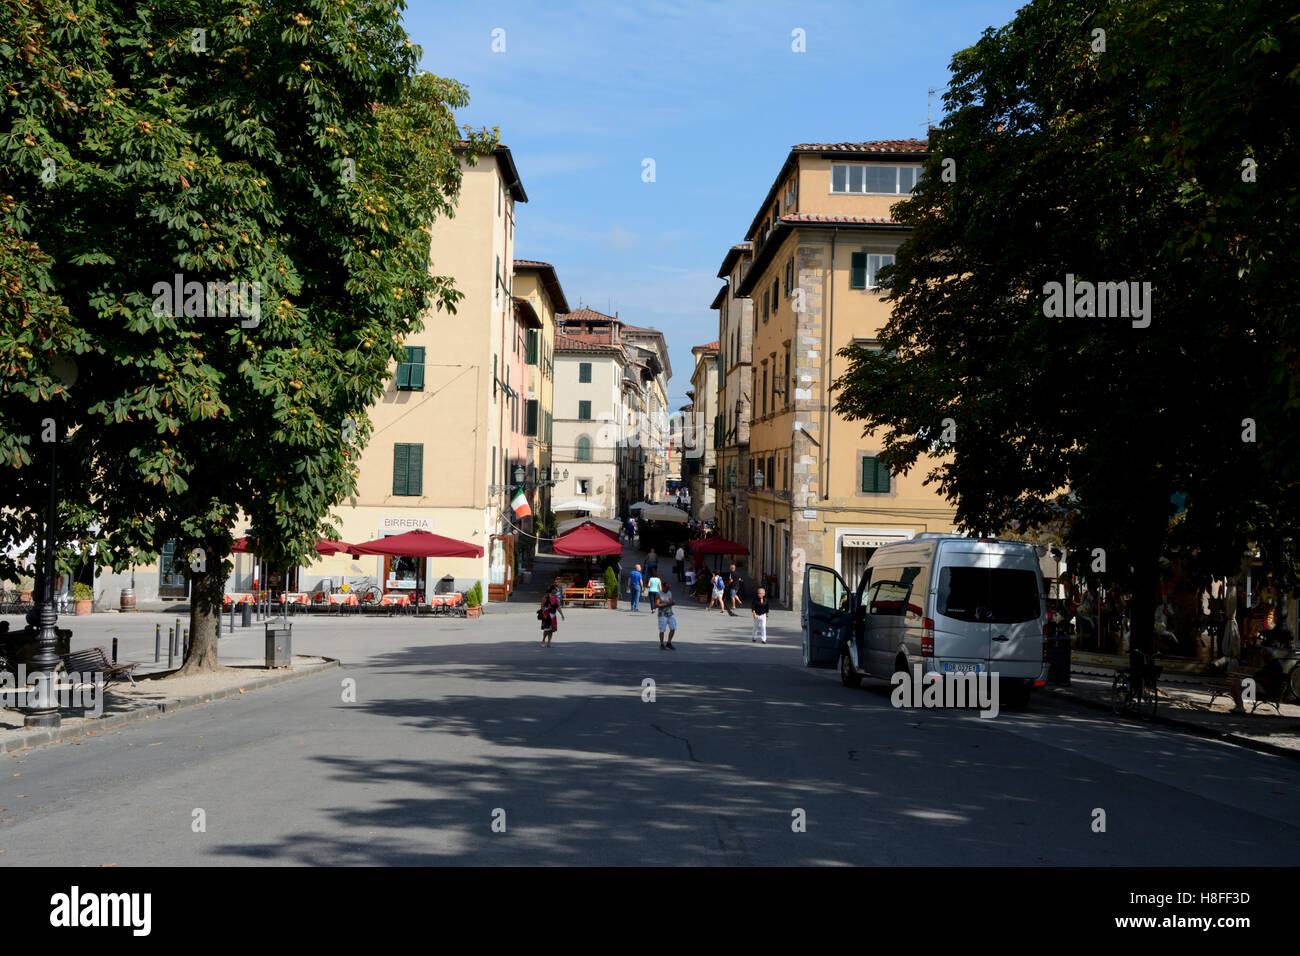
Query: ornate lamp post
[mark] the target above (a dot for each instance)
(44, 712)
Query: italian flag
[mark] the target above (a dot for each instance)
(520, 504)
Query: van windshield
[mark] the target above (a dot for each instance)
(981, 595)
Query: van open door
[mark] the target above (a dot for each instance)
(827, 616)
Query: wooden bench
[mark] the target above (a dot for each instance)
(95, 660)
(581, 595)
(1224, 688)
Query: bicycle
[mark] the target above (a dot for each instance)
(1138, 692)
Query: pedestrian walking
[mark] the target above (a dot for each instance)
(680, 567)
(667, 619)
(759, 608)
(635, 584)
(732, 597)
(653, 587)
(551, 607)
(716, 593)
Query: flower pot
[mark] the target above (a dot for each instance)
(473, 611)
(83, 608)
(613, 604)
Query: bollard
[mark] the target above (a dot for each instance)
(115, 650)
(246, 614)
(171, 646)
(178, 629)
(157, 643)
(185, 651)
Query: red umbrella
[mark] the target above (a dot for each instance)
(585, 541)
(417, 544)
(716, 545)
(326, 547)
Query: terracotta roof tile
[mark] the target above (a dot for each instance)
(804, 218)
(567, 343)
(872, 146)
(587, 315)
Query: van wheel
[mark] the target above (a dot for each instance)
(1016, 698)
(847, 676)
(900, 666)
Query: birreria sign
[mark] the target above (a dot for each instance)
(71, 690)
(933, 690)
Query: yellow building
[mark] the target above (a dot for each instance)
(537, 285)
(817, 493)
(735, 391)
(699, 456)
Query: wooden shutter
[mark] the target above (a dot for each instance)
(415, 470)
(858, 276)
(415, 368)
(399, 469)
(531, 428)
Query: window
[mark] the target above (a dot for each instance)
(531, 416)
(892, 590)
(584, 411)
(776, 292)
(786, 390)
(764, 306)
(771, 472)
(874, 178)
(410, 371)
(584, 448)
(583, 485)
(584, 371)
(875, 476)
(865, 269)
(789, 277)
(533, 340)
(764, 392)
(984, 595)
(408, 469)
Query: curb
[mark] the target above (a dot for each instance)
(1197, 730)
(37, 738)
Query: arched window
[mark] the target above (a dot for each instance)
(584, 448)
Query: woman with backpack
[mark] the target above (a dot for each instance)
(551, 606)
(716, 593)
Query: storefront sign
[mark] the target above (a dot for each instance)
(866, 541)
(400, 524)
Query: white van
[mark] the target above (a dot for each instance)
(949, 603)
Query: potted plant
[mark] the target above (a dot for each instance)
(82, 595)
(474, 600)
(611, 588)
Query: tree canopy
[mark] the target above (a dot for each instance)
(218, 214)
(1114, 142)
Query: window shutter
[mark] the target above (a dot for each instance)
(532, 417)
(858, 276)
(532, 346)
(875, 476)
(404, 370)
(415, 470)
(415, 375)
(584, 410)
(399, 469)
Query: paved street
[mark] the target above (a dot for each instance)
(456, 718)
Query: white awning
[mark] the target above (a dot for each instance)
(579, 504)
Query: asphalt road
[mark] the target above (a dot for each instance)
(455, 720)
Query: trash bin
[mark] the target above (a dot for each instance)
(1058, 659)
(279, 651)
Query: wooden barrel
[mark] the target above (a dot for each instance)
(128, 599)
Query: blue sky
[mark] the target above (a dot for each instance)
(712, 92)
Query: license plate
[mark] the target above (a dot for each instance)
(958, 668)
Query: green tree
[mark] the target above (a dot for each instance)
(294, 150)
(1109, 156)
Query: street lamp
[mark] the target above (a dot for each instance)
(45, 711)
(519, 474)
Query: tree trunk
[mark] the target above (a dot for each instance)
(207, 588)
(1144, 590)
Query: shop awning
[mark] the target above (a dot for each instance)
(417, 544)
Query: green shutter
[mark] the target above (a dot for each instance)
(584, 410)
(399, 469)
(532, 346)
(875, 476)
(858, 278)
(415, 356)
(415, 470)
(584, 371)
(404, 372)
(532, 417)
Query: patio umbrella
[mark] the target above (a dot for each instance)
(417, 544)
(717, 545)
(578, 504)
(586, 541)
(326, 547)
(664, 513)
(605, 524)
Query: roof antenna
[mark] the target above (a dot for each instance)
(928, 125)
